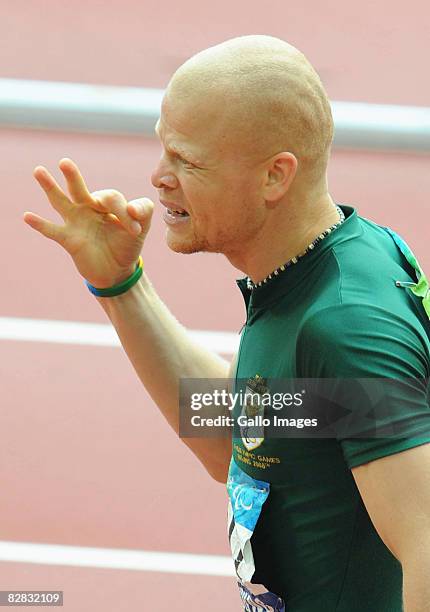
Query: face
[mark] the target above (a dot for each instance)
(203, 175)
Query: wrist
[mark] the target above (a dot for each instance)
(118, 278)
(121, 286)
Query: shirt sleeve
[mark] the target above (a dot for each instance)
(375, 364)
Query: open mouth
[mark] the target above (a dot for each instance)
(175, 217)
(177, 213)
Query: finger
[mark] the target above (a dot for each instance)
(114, 202)
(45, 227)
(98, 200)
(58, 199)
(113, 219)
(75, 182)
(140, 209)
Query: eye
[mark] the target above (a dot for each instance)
(186, 163)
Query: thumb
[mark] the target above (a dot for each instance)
(141, 209)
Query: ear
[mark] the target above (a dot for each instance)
(280, 172)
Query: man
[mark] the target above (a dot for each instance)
(334, 524)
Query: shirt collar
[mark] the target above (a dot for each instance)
(261, 297)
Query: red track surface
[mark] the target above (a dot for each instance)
(85, 458)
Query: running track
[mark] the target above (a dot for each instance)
(85, 458)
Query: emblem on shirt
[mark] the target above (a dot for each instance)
(252, 413)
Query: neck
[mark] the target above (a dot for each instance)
(288, 230)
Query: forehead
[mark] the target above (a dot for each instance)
(186, 127)
(184, 113)
(202, 123)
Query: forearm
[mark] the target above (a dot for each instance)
(162, 352)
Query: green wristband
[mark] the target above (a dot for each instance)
(120, 287)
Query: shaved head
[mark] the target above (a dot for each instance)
(246, 130)
(262, 96)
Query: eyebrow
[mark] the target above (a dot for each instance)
(177, 150)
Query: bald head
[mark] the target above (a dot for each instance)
(263, 95)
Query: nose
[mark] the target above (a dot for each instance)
(163, 177)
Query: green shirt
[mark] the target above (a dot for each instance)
(337, 313)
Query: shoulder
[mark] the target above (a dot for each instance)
(363, 339)
(359, 321)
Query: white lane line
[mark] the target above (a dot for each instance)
(97, 334)
(116, 558)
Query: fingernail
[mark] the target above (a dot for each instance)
(136, 227)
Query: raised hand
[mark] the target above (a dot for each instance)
(102, 232)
